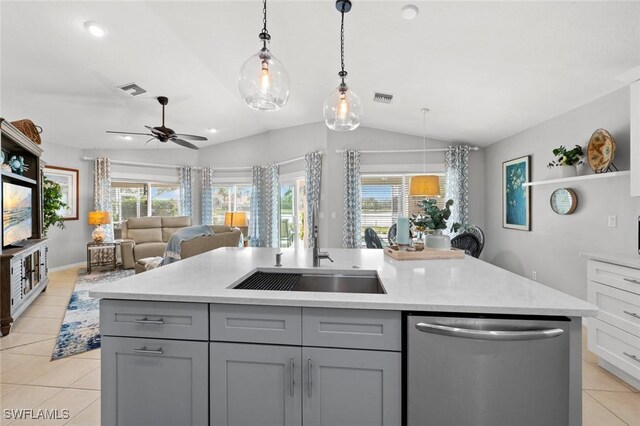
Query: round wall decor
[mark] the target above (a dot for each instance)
(601, 151)
(564, 201)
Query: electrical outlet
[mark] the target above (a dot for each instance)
(612, 221)
(534, 275)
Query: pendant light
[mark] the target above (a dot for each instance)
(424, 185)
(263, 81)
(342, 109)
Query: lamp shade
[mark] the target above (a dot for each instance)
(99, 218)
(424, 186)
(235, 219)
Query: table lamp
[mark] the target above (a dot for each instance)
(99, 218)
(237, 220)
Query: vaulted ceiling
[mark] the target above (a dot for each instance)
(486, 69)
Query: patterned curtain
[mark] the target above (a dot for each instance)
(206, 206)
(457, 182)
(265, 207)
(186, 190)
(352, 195)
(313, 178)
(102, 191)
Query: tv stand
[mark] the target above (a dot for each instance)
(18, 245)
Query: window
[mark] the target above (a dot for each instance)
(139, 199)
(385, 198)
(230, 198)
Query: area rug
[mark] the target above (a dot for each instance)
(80, 330)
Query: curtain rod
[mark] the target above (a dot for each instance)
(402, 151)
(140, 164)
(239, 168)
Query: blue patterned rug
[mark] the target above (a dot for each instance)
(80, 330)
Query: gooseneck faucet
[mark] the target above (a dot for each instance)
(317, 254)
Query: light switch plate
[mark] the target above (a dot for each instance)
(612, 221)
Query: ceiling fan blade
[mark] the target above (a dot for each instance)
(154, 131)
(191, 137)
(184, 143)
(129, 133)
(153, 138)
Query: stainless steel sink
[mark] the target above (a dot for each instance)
(331, 283)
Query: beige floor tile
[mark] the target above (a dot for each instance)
(29, 371)
(595, 414)
(90, 380)
(28, 396)
(625, 405)
(44, 311)
(19, 339)
(7, 388)
(58, 291)
(9, 360)
(37, 325)
(89, 416)
(595, 377)
(42, 348)
(94, 354)
(45, 299)
(73, 400)
(68, 371)
(590, 357)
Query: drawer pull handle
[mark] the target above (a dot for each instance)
(631, 280)
(633, 314)
(144, 350)
(148, 321)
(633, 357)
(309, 377)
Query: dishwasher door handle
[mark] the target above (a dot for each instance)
(469, 333)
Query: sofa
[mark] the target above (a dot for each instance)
(147, 237)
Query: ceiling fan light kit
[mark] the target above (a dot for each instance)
(263, 80)
(343, 109)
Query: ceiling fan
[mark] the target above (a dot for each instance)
(165, 134)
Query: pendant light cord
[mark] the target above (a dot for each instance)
(264, 24)
(424, 141)
(342, 43)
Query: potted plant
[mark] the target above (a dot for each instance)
(52, 203)
(567, 160)
(435, 219)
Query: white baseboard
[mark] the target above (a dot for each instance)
(73, 265)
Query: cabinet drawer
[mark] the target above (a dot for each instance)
(613, 275)
(166, 320)
(617, 307)
(616, 346)
(256, 324)
(352, 328)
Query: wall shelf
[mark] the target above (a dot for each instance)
(578, 178)
(18, 177)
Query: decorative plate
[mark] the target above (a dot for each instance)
(601, 151)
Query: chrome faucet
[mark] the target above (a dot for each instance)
(317, 254)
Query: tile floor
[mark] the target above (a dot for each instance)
(28, 379)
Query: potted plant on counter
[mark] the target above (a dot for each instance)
(567, 161)
(435, 219)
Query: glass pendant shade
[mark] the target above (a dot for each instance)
(424, 186)
(263, 82)
(342, 110)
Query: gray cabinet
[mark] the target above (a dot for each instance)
(154, 382)
(255, 385)
(351, 387)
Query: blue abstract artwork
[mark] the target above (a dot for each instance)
(516, 211)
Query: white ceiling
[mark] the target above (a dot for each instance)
(486, 69)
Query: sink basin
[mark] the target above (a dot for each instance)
(325, 283)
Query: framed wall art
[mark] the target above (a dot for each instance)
(68, 179)
(516, 199)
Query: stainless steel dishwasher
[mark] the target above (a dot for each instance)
(478, 371)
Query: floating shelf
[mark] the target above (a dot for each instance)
(18, 177)
(578, 178)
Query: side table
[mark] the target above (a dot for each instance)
(101, 254)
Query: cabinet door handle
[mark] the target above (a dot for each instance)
(291, 373)
(309, 377)
(144, 320)
(633, 314)
(633, 357)
(631, 280)
(144, 350)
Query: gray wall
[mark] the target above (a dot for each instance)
(551, 248)
(68, 246)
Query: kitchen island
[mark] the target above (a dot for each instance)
(181, 341)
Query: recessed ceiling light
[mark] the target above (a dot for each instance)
(213, 130)
(409, 11)
(95, 29)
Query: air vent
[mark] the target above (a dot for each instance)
(382, 98)
(132, 89)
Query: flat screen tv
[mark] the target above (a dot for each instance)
(16, 213)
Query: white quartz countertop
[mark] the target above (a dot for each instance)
(622, 259)
(460, 285)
